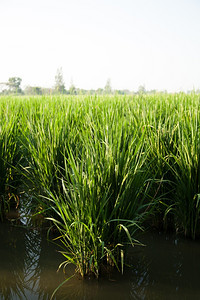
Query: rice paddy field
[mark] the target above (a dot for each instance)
(96, 170)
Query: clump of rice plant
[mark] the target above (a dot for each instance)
(105, 194)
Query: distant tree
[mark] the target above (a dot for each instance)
(82, 91)
(33, 90)
(119, 92)
(108, 88)
(100, 91)
(152, 92)
(3, 86)
(14, 85)
(141, 89)
(59, 82)
(47, 91)
(122, 92)
(72, 88)
(92, 92)
(38, 90)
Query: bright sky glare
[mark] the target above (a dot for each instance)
(155, 43)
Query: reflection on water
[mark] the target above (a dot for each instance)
(25, 264)
(167, 268)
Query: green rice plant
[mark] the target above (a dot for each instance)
(10, 156)
(162, 136)
(173, 136)
(187, 174)
(105, 194)
(113, 144)
(49, 126)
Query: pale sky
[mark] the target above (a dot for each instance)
(155, 43)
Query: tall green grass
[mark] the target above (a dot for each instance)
(105, 194)
(84, 159)
(10, 155)
(100, 168)
(187, 171)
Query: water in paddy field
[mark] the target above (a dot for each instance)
(167, 268)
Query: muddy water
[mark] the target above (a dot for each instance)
(167, 268)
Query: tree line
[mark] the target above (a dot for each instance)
(13, 86)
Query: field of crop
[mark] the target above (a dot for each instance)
(100, 168)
